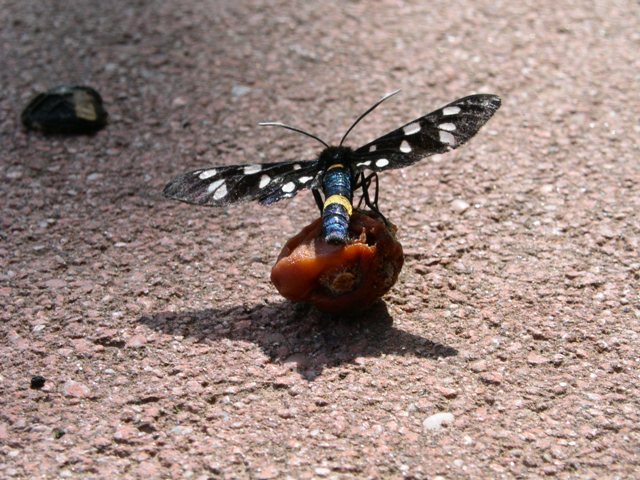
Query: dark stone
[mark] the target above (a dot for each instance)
(37, 382)
(66, 109)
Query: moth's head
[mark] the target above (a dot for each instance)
(334, 155)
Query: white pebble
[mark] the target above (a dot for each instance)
(459, 205)
(437, 420)
(240, 90)
(322, 471)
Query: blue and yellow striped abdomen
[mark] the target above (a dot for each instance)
(338, 193)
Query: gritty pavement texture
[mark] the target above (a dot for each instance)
(509, 347)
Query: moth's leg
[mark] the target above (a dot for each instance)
(359, 178)
(366, 183)
(363, 182)
(375, 198)
(318, 198)
(359, 182)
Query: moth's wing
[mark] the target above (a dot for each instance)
(437, 132)
(266, 183)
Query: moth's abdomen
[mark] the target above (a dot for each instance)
(337, 208)
(335, 223)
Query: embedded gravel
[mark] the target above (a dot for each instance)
(509, 347)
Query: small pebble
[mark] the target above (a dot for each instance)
(179, 102)
(478, 366)
(536, 359)
(136, 341)
(75, 389)
(240, 90)
(322, 471)
(125, 434)
(460, 205)
(438, 420)
(37, 382)
(181, 430)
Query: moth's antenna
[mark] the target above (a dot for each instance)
(278, 124)
(388, 95)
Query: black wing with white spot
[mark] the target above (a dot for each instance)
(437, 132)
(266, 183)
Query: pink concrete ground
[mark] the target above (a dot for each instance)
(166, 351)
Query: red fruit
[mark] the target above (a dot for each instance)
(340, 278)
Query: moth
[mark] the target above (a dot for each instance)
(339, 170)
(70, 109)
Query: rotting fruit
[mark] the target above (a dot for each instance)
(340, 278)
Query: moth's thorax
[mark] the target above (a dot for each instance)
(337, 171)
(333, 156)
